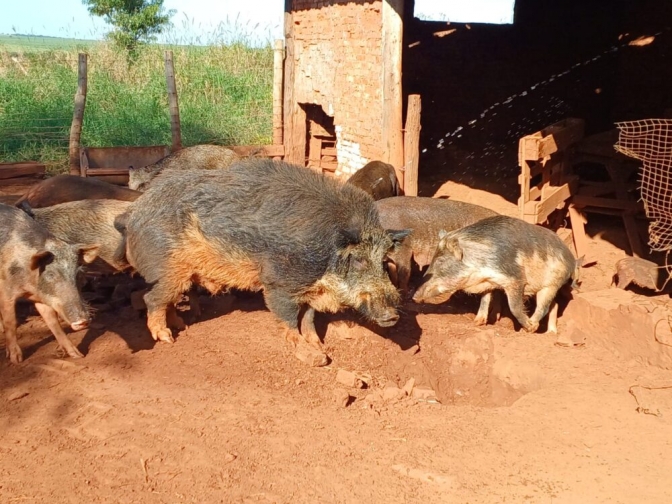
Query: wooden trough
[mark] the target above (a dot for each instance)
(25, 172)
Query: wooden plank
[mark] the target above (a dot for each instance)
(278, 58)
(98, 172)
(78, 115)
(590, 201)
(412, 146)
(578, 231)
(27, 180)
(554, 138)
(173, 106)
(393, 148)
(314, 152)
(329, 151)
(328, 165)
(8, 171)
(83, 161)
(554, 198)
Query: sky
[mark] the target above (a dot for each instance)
(205, 20)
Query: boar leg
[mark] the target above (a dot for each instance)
(194, 304)
(514, 295)
(51, 319)
(158, 301)
(308, 329)
(545, 298)
(403, 262)
(553, 319)
(483, 309)
(8, 317)
(287, 310)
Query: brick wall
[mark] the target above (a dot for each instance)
(338, 49)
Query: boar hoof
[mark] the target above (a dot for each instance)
(532, 327)
(14, 353)
(165, 335)
(71, 351)
(481, 321)
(310, 356)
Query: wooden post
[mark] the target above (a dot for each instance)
(172, 103)
(78, 115)
(393, 29)
(412, 146)
(278, 59)
(295, 129)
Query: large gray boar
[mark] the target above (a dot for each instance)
(41, 268)
(306, 240)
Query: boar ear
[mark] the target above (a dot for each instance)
(41, 259)
(451, 246)
(88, 253)
(398, 235)
(442, 234)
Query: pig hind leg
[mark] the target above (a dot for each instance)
(545, 299)
(51, 319)
(514, 295)
(160, 301)
(8, 323)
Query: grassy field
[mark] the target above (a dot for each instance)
(225, 96)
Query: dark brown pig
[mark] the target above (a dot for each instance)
(306, 240)
(425, 217)
(41, 268)
(377, 179)
(65, 188)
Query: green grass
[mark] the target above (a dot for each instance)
(224, 93)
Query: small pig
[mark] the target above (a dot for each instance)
(41, 268)
(502, 253)
(376, 178)
(86, 221)
(425, 217)
(306, 240)
(65, 188)
(201, 157)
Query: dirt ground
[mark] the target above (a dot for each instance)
(228, 414)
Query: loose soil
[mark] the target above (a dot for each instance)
(228, 414)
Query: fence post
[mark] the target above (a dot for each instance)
(412, 146)
(78, 115)
(278, 59)
(172, 103)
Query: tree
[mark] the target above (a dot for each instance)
(135, 22)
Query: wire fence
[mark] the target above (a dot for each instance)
(224, 92)
(650, 141)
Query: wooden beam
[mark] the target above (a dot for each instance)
(412, 146)
(78, 115)
(11, 170)
(294, 134)
(278, 58)
(172, 103)
(393, 29)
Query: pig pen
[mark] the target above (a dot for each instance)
(431, 410)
